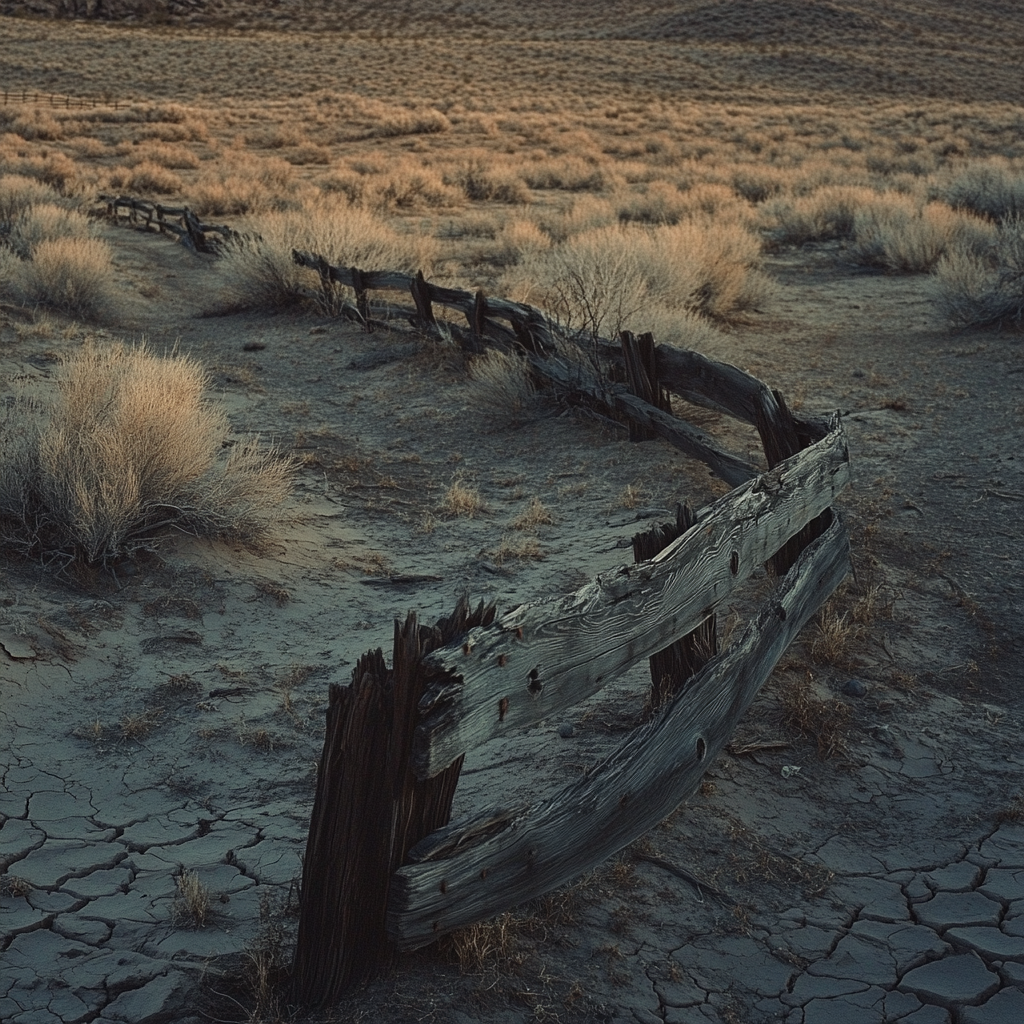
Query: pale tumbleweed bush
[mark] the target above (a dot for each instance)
(129, 447)
(897, 233)
(73, 275)
(975, 289)
(261, 272)
(499, 386)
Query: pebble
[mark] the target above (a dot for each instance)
(566, 730)
(855, 688)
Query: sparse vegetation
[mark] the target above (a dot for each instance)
(500, 386)
(192, 905)
(462, 499)
(978, 289)
(129, 447)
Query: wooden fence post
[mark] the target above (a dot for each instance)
(674, 667)
(642, 378)
(362, 302)
(780, 440)
(369, 810)
(421, 297)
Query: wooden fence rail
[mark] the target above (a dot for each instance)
(544, 657)
(501, 857)
(178, 221)
(63, 100)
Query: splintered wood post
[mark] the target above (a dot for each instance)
(323, 269)
(780, 440)
(369, 810)
(349, 842)
(421, 297)
(642, 379)
(362, 301)
(674, 667)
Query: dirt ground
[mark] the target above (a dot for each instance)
(193, 684)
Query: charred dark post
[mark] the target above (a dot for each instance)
(421, 297)
(368, 811)
(672, 668)
(362, 300)
(780, 439)
(642, 378)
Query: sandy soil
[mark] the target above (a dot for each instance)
(186, 696)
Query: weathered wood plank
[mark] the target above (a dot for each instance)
(687, 438)
(496, 860)
(542, 658)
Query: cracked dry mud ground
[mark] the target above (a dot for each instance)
(170, 722)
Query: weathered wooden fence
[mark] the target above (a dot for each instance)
(179, 222)
(64, 101)
(384, 871)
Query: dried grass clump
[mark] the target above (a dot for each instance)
(824, 719)
(462, 500)
(73, 275)
(623, 277)
(262, 274)
(993, 189)
(17, 194)
(193, 903)
(482, 182)
(825, 214)
(129, 448)
(500, 386)
(147, 177)
(44, 222)
(975, 289)
(898, 234)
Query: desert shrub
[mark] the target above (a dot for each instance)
(976, 289)
(73, 275)
(17, 194)
(146, 177)
(241, 183)
(825, 214)
(499, 386)
(602, 281)
(518, 239)
(584, 214)
(44, 222)
(897, 233)
(53, 168)
(993, 189)
(571, 174)
(38, 125)
(129, 447)
(309, 153)
(659, 203)
(592, 284)
(174, 157)
(704, 266)
(483, 183)
(261, 273)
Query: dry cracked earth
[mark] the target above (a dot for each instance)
(883, 885)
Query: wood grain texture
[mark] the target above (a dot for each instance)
(577, 380)
(543, 657)
(472, 870)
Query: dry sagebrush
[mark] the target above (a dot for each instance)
(129, 447)
(979, 289)
(261, 273)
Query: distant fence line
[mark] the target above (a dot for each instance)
(63, 100)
